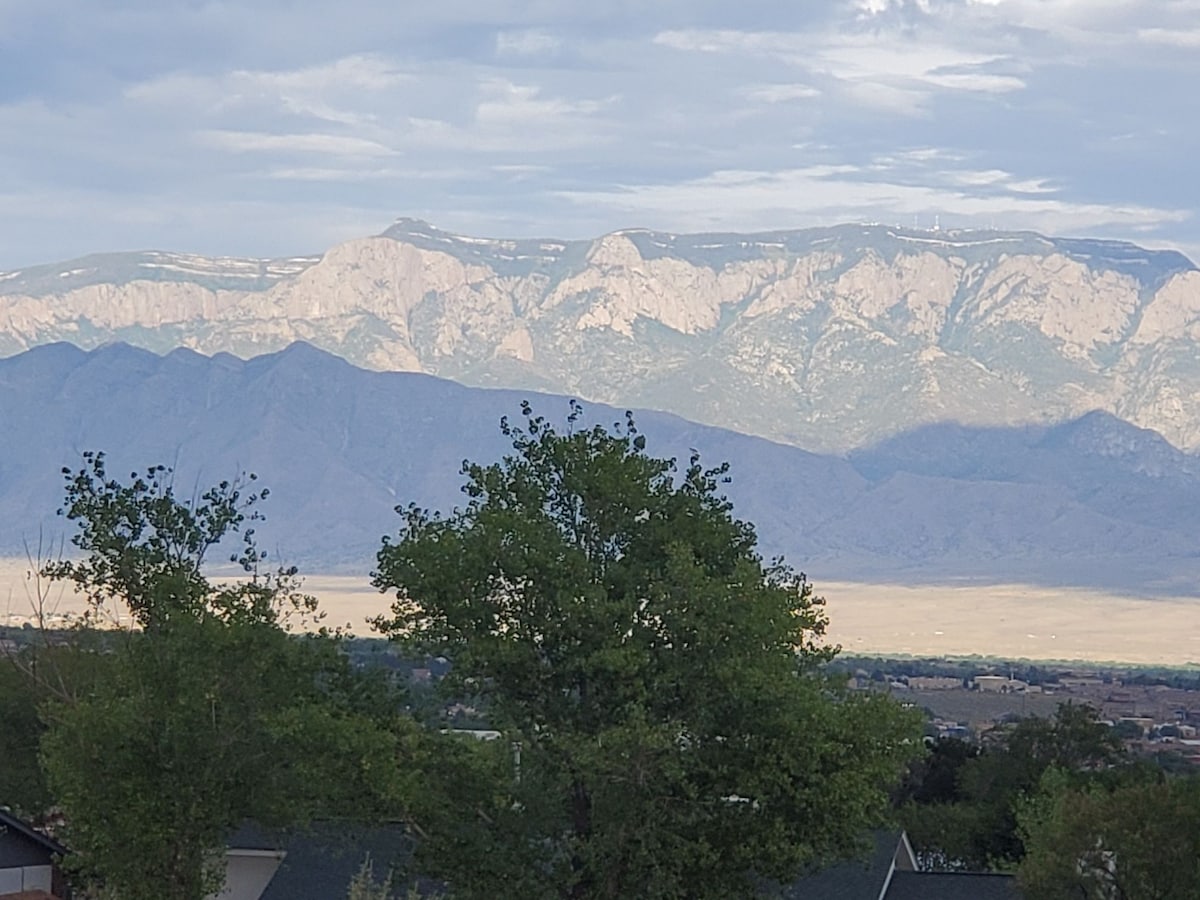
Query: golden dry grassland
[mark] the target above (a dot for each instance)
(1009, 621)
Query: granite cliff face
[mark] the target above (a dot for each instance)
(830, 339)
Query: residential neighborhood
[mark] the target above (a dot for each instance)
(1151, 714)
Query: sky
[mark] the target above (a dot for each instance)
(280, 127)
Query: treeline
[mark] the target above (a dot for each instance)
(1181, 678)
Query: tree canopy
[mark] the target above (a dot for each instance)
(961, 808)
(666, 729)
(1133, 839)
(204, 711)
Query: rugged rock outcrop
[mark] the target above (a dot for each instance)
(826, 338)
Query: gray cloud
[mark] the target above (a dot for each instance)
(273, 128)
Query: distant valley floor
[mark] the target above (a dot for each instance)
(1008, 621)
(1013, 621)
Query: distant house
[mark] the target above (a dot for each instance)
(314, 864)
(934, 683)
(249, 870)
(28, 862)
(1000, 684)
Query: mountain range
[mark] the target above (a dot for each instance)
(829, 339)
(1090, 501)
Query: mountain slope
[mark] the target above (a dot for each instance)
(823, 338)
(1094, 501)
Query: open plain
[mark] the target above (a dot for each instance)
(1008, 621)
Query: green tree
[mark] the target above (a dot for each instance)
(1137, 841)
(45, 670)
(975, 825)
(208, 712)
(21, 783)
(145, 550)
(666, 727)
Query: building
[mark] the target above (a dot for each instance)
(1000, 684)
(318, 863)
(28, 861)
(891, 873)
(314, 863)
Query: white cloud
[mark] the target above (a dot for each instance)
(360, 173)
(359, 72)
(922, 154)
(321, 144)
(912, 66)
(779, 93)
(937, 168)
(1090, 27)
(519, 169)
(871, 8)
(329, 92)
(329, 173)
(1031, 186)
(977, 178)
(719, 41)
(975, 81)
(507, 104)
(883, 70)
(815, 195)
(529, 42)
(1189, 39)
(887, 98)
(487, 116)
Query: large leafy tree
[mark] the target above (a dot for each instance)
(1137, 840)
(666, 729)
(206, 712)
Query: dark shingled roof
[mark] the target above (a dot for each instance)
(862, 879)
(8, 820)
(952, 886)
(322, 860)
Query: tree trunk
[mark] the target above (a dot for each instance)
(581, 824)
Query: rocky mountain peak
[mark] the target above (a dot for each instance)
(828, 338)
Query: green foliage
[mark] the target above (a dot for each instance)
(1134, 841)
(935, 777)
(666, 731)
(364, 886)
(207, 715)
(975, 824)
(42, 670)
(21, 783)
(145, 550)
(1128, 731)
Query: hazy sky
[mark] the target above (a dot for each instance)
(278, 127)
